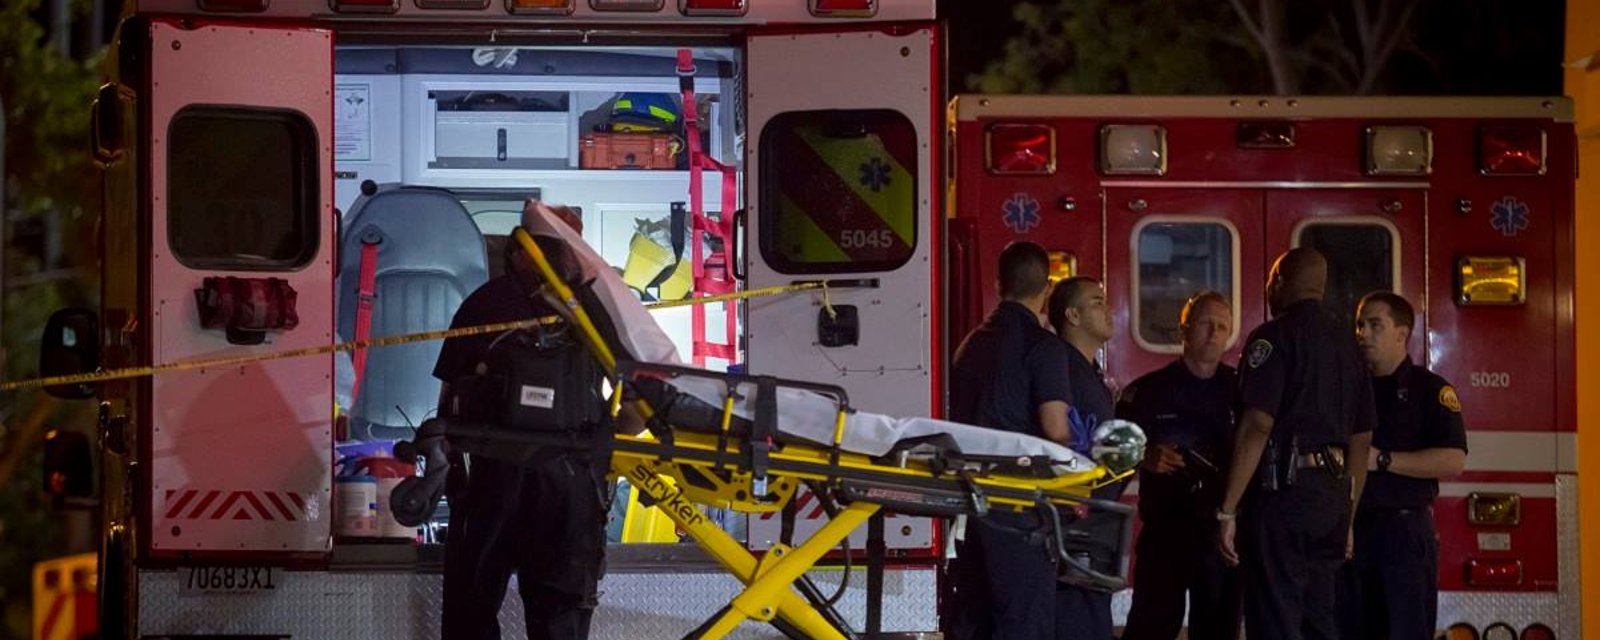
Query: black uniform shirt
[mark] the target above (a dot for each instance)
(1303, 370)
(1091, 402)
(1176, 407)
(498, 300)
(1417, 410)
(1005, 369)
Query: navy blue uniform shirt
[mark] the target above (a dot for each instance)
(1417, 410)
(1176, 407)
(1091, 402)
(499, 300)
(1302, 368)
(1005, 369)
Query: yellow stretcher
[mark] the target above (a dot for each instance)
(744, 465)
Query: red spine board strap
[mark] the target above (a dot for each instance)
(721, 282)
(364, 298)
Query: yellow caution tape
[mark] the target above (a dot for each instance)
(385, 341)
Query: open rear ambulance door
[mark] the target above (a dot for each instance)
(236, 226)
(843, 130)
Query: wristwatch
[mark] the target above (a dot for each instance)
(1223, 516)
(1384, 458)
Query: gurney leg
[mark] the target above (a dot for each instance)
(645, 477)
(758, 600)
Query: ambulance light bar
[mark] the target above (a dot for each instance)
(1494, 572)
(844, 8)
(1020, 149)
(365, 6)
(1537, 631)
(1511, 151)
(712, 7)
(1399, 151)
(540, 7)
(625, 5)
(1133, 149)
(234, 6)
(1491, 280)
(1264, 135)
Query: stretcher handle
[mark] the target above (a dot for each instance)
(631, 369)
(1095, 578)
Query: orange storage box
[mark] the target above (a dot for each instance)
(600, 150)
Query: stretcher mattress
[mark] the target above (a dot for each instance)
(802, 414)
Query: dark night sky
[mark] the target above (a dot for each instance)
(1462, 47)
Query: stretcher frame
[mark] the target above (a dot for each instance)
(679, 469)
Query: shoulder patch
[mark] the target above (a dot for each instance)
(1258, 352)
(1447, 398)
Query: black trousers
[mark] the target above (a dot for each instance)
(1391, 589)
(545, 523)
(1291, 544)
(1177, 558)
(1082, 614)
(1004, 585)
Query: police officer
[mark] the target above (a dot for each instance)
(544, 520)
(1007, 375)
(1081, 317)
(1186, 409)
(1305, 408)
(1391, 585)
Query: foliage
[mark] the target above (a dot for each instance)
(50, 208)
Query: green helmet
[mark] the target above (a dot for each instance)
(1118, 444)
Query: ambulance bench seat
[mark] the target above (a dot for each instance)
(430, 257)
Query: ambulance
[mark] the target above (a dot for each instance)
(285, 175)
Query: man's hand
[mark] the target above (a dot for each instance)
(1225, 534)
(1350, 541)
(1162, 459)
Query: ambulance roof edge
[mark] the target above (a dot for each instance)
(758, 12)
(970, 107)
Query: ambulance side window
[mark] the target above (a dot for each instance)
(242, 189)
(838, 191)
(1362, 258)
(1173, 261)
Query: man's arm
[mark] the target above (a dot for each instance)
(1438, 462)
(1053, 419)
(1248, 443)
(1360, 443)
(630, 421)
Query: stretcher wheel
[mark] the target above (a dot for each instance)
(405, 450)
(413, 501)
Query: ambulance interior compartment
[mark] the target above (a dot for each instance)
(491, 126)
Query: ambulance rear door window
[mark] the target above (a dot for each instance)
(1362, 258)
(1175, 260)
(242, 189)
(838, 191)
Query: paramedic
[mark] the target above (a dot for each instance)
(1305, 404)
(1007, 376)
(1081, 317)
(1391, 585)
(544, 520)
(1186, 408)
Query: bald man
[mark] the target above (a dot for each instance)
(1305, 407)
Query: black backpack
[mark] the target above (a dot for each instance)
(539, 379)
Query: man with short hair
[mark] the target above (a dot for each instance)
(1081, 316)
(1007, 375)
(1392, 583)
(1186, 409)
(1305, 409)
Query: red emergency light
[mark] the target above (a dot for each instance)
(1511, 150)
(844, 8)
(234, 6)
(1499, 631)
(1538, 631)
(365, 6)
(1020, 149)
(1494, 572)
(712, 7)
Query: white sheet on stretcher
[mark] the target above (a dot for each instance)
(802, 414)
